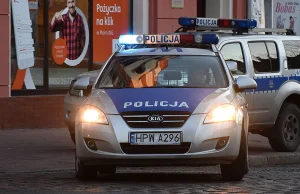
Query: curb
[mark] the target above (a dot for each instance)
(274, 159)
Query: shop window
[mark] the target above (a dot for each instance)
(64, 65)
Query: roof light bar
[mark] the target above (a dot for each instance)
(169, 39)
(216, 22)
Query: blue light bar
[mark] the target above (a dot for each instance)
(183, 21)
(216, 22)
(210, 39)
(169, 39)
(131, 39)
(244, 23)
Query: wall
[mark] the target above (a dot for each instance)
(164, 19)
(28, 112)
(269, 13)
(140, 16)
(240, 9)
(218, 9)
(5, 49)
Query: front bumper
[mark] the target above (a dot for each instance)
(200, 138)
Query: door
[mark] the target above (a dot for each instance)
(234, 51)
(266, 69)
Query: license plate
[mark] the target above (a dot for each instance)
(170, 138)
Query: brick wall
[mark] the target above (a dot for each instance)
(32, 112)
(4, 48)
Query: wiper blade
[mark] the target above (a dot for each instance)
(111, 87)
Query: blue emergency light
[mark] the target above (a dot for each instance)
(169, 39)
(216, 22)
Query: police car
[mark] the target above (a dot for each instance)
(163, 100)
(272, 58)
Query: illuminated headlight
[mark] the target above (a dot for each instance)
(221, 113)
(92, 114)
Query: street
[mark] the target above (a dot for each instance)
(42, 160)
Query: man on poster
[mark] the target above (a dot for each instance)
(72, 28)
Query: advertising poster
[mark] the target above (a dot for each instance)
(257, 11)
(70, 27)
(24, 44)
(286, 14)
(110, 20)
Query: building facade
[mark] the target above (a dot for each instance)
(33, 97)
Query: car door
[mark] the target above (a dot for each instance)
(234, 50)
(265, 61)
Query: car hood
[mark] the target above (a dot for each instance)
(193, 100)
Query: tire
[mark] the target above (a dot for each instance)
(239, 167)
(285, 135)
(84, 172)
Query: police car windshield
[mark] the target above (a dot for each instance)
(163, 71)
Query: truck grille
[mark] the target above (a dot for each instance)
(170, 119)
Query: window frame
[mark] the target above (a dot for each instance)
(278, 56)
(243, 53)
(284, 47)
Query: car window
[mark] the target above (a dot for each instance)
(234, 52)
(292, 53)
(264, 57)
(163, 71)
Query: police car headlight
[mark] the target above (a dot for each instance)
(221, 113)
(92, 114)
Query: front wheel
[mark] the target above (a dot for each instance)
(285, 136)
(84, 172)
(239, 167)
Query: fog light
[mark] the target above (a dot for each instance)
(91, 144)
(222, 142)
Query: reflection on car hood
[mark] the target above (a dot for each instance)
(193, 100)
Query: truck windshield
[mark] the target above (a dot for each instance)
(163, 71)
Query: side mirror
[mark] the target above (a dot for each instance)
(232, 65)
(82, 83)
(245, 83)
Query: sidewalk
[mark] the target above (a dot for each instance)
(24, 150)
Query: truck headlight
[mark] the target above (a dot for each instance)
(221, 113)
(92, 114)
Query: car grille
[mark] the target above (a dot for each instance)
(171, 119)
(155, 149)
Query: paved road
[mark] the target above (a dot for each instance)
(276, 179)
(35, 161)
(28, 150)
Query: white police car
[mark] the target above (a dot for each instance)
(272, 58)
(163, 100)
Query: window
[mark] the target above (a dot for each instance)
(292, 53)
(163, 71)
(273, 56)
(264, 57)
(233, 52)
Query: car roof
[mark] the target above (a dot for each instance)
(257, 37)
(164, 51)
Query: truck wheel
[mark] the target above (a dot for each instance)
(84, 172)
(239, 167)
(285, 136)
